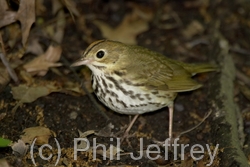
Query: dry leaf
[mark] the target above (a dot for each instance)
(29, 94)
(56, 31)
(26, 77)
(34, 47)
(53, 53)
(83, 135)
(192, 29)
(6, 17)
(41, 64)
(41, 134)
(14, 34)
(19, 148)
(127, 31)
(4, 163)
(73, 86)
(40, 7)
(144, 12)
(26, 15)
(60, 26)
(56, 6)
(106, 131)
(86, 133)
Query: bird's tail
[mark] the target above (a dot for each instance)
(200, 68)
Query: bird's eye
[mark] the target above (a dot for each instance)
(100, 54)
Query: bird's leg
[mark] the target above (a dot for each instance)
(129, 127)
(171, 112)
(170, 130)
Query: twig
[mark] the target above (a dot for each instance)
(9, 69)
(196, 126)
(195, 42)
(160, 143)
(6, 63)
(96, 105)
(237, 49)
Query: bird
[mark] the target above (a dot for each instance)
(134, 80)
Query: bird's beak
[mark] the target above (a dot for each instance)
(81, 61)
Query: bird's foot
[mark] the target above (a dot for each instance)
(169, 142)
(124, 135)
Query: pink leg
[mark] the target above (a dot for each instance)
(131, 124)
(171, 112)
(129, 127)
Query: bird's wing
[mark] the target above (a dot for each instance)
(157, 72)
(178, 80)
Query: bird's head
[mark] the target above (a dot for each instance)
(102, 55)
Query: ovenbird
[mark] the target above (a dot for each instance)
(134, 80)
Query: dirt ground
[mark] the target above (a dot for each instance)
(55, 98)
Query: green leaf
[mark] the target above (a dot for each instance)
(4, 142)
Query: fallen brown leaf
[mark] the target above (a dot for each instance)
(26, 15)
(73, 86)
(60, 27)
(28, 94)
(15, 33)
(86, 133)
(4, 162)
(144, 12)
(82, 144)
(126, 31)
(41, 134)
(106, 131)
(19, 148)
(192, 29)
(6, 17)
(34, 47)
(56, 31)
(26, 77)
(40, 7)
(41, 64)
(53, 53)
